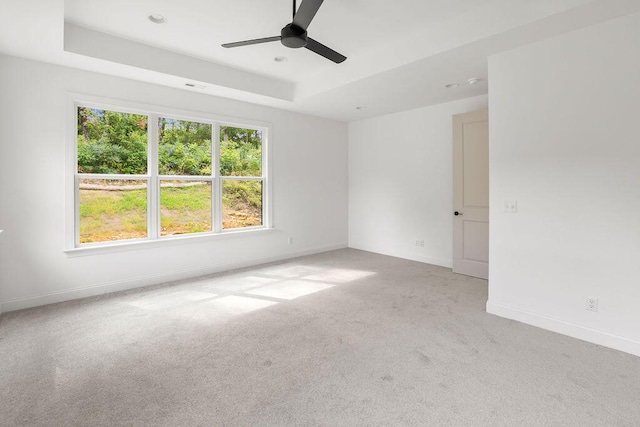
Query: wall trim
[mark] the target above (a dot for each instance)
(560, 326)
(448, 263)
(152, 279)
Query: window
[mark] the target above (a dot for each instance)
(241, 174)
(150, 176)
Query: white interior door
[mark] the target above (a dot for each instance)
(471, 194)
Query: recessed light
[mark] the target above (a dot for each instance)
(157, 19)
(474, 80)
(361, 107)
(452, 85)
(280, 59)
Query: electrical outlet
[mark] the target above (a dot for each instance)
(420, 243)
(291, 240)
(592, 304)
(510, 206)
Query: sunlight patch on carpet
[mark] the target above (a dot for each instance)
(289, 289)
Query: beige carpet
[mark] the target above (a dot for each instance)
(343, 338)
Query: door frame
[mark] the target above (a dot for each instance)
(461, 265)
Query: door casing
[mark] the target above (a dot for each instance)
(471, 193)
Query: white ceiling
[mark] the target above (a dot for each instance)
(198, 27)
(401, 54)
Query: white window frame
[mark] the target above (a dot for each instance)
(153, 178)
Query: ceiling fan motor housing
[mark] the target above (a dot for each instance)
(293, 36)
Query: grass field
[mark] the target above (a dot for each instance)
(185, 210)
(120, 215)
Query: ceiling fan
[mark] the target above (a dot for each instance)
(294, 35)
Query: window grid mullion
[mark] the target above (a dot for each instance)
(242, 178)
(112, 176)
(153, 179)
(216, 188)
(76, 207)
(153, 184)
(266, 184)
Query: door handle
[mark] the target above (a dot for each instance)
(456, 213)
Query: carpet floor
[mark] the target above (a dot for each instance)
(343, 338)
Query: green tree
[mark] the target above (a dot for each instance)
(184, 147)
(111, 142)
(240, 151)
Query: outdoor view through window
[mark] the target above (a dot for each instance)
(124, 192)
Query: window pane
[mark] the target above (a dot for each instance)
(241, 204)
(185, 207)
(184, 147)
(112, 209)
(240, 152)
(111, 142)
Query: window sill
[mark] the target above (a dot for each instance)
(133, 245)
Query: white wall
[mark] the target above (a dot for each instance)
(400, 182)
(564, 143)
(309, 163)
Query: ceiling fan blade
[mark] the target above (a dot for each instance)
(321, 49)
(306, 12)
(254, 41)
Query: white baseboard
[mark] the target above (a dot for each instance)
(152, 279)
(433, 261)
(448, 263)
(560, 326)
